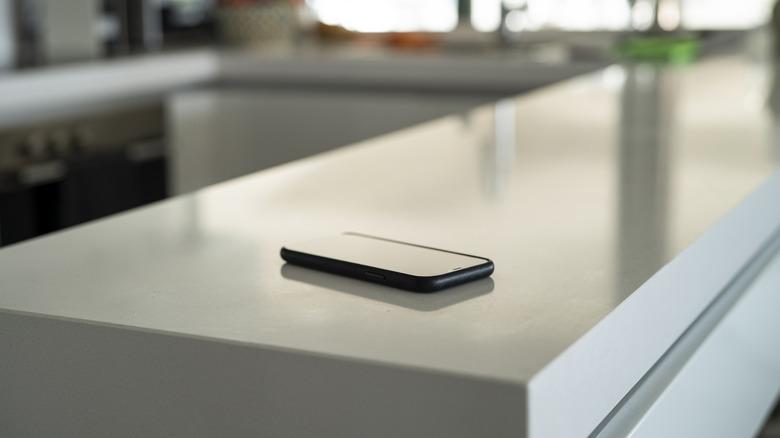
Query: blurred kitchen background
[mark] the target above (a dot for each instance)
(107, 105)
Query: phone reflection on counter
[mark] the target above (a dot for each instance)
(648, 107)
(423, 302)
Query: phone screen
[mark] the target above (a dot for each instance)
(387, 254)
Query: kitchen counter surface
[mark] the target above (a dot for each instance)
(61, 90)
(615, 206)
(498, 72)
(57, 91)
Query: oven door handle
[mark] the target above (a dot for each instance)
(42, 173)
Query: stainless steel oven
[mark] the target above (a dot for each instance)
(67, 171)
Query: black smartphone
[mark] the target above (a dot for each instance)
(390, 262)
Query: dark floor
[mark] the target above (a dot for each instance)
(772, 427)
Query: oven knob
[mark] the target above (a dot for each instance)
(33, 146)
(83, 137)
(22, 151)
(60, 143)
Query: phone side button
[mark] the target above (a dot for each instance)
(375, 276)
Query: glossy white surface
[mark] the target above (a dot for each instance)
(710, 382)
(7, 41)
(503, 72)
(578, 193)
(731, 382)
(31, 96)
(220, 134)
(59, 90)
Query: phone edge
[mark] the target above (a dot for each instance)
(413, 283)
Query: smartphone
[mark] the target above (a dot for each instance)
(390, 262)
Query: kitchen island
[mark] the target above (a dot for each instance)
(619, 208)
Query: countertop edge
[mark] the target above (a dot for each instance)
(587, 380)
(38, 93)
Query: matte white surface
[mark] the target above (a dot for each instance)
(72, 380)
(544, 185)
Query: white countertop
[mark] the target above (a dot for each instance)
(61, 90)
(501, 72)
(579, 193)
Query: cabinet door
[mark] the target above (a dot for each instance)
(722, 377)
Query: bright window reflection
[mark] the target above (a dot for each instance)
(586, 15)
(552, 14)
(388, 15)
(578, 15)
(725, 14)
(485, 15)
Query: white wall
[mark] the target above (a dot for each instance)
(7, 48)
(70, 30)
